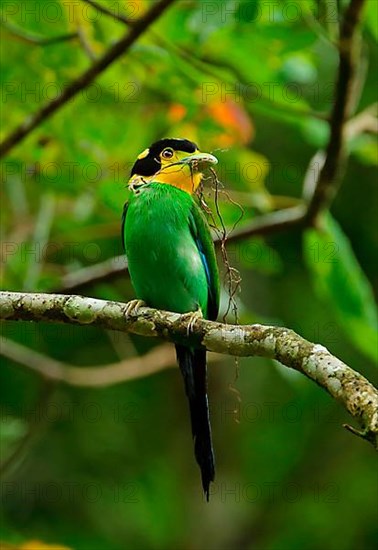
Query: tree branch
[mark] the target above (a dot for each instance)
(350, 388)
(270, 223)
(156, 360)
(327, 184)
(102, 271)
(113, 53)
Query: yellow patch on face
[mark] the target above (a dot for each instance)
(143, 154)
(180, 176)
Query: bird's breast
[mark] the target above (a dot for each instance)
(164, 262)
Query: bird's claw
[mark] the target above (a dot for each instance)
(193, 317)
(133, 307)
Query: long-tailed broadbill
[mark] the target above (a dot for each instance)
(172, 262)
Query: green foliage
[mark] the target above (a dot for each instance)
(112, 468)
(371, 19)
(342, 285)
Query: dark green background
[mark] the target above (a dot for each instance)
(113, 468)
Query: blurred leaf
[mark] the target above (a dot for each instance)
(233, 118)
(342, 285)
(302, 38)
(212, 16)
(12, 429)
(38, 545)
(365, 148)
(248, 11)
(246, 170)
(371, 18)
(300, 69)
(257, 255)
(112, 195)
(315, 131)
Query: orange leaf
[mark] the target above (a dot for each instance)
(233, 118)
(176, 112)
(38, 545)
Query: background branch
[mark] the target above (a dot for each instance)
(335, 156)
(160, 358)
(34, 39)
(350, 388)
(113, 53)
(102, 271)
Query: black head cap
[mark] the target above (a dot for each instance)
(150, 164)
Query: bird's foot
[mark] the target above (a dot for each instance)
(133, 307)
(193, 316)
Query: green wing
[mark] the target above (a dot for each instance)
(123, 224)
(202, 237)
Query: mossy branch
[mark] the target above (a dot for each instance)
(350, 388)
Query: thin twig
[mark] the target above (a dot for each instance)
(42, 230)
(271, 223)
(364, 122)
(34, 39)
(85, 44)
(113, 53)
(113, 15)
(350, 388)
(232, 275)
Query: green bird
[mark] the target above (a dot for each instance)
(172, 262)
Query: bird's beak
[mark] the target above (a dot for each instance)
(199, 161)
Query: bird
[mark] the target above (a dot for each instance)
(172, 263)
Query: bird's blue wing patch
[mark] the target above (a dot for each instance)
(204, 260)
(202, 238)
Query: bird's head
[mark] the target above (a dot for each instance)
(176, 162)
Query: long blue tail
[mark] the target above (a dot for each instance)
(192, 363)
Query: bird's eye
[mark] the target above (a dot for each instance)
(167, 153)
